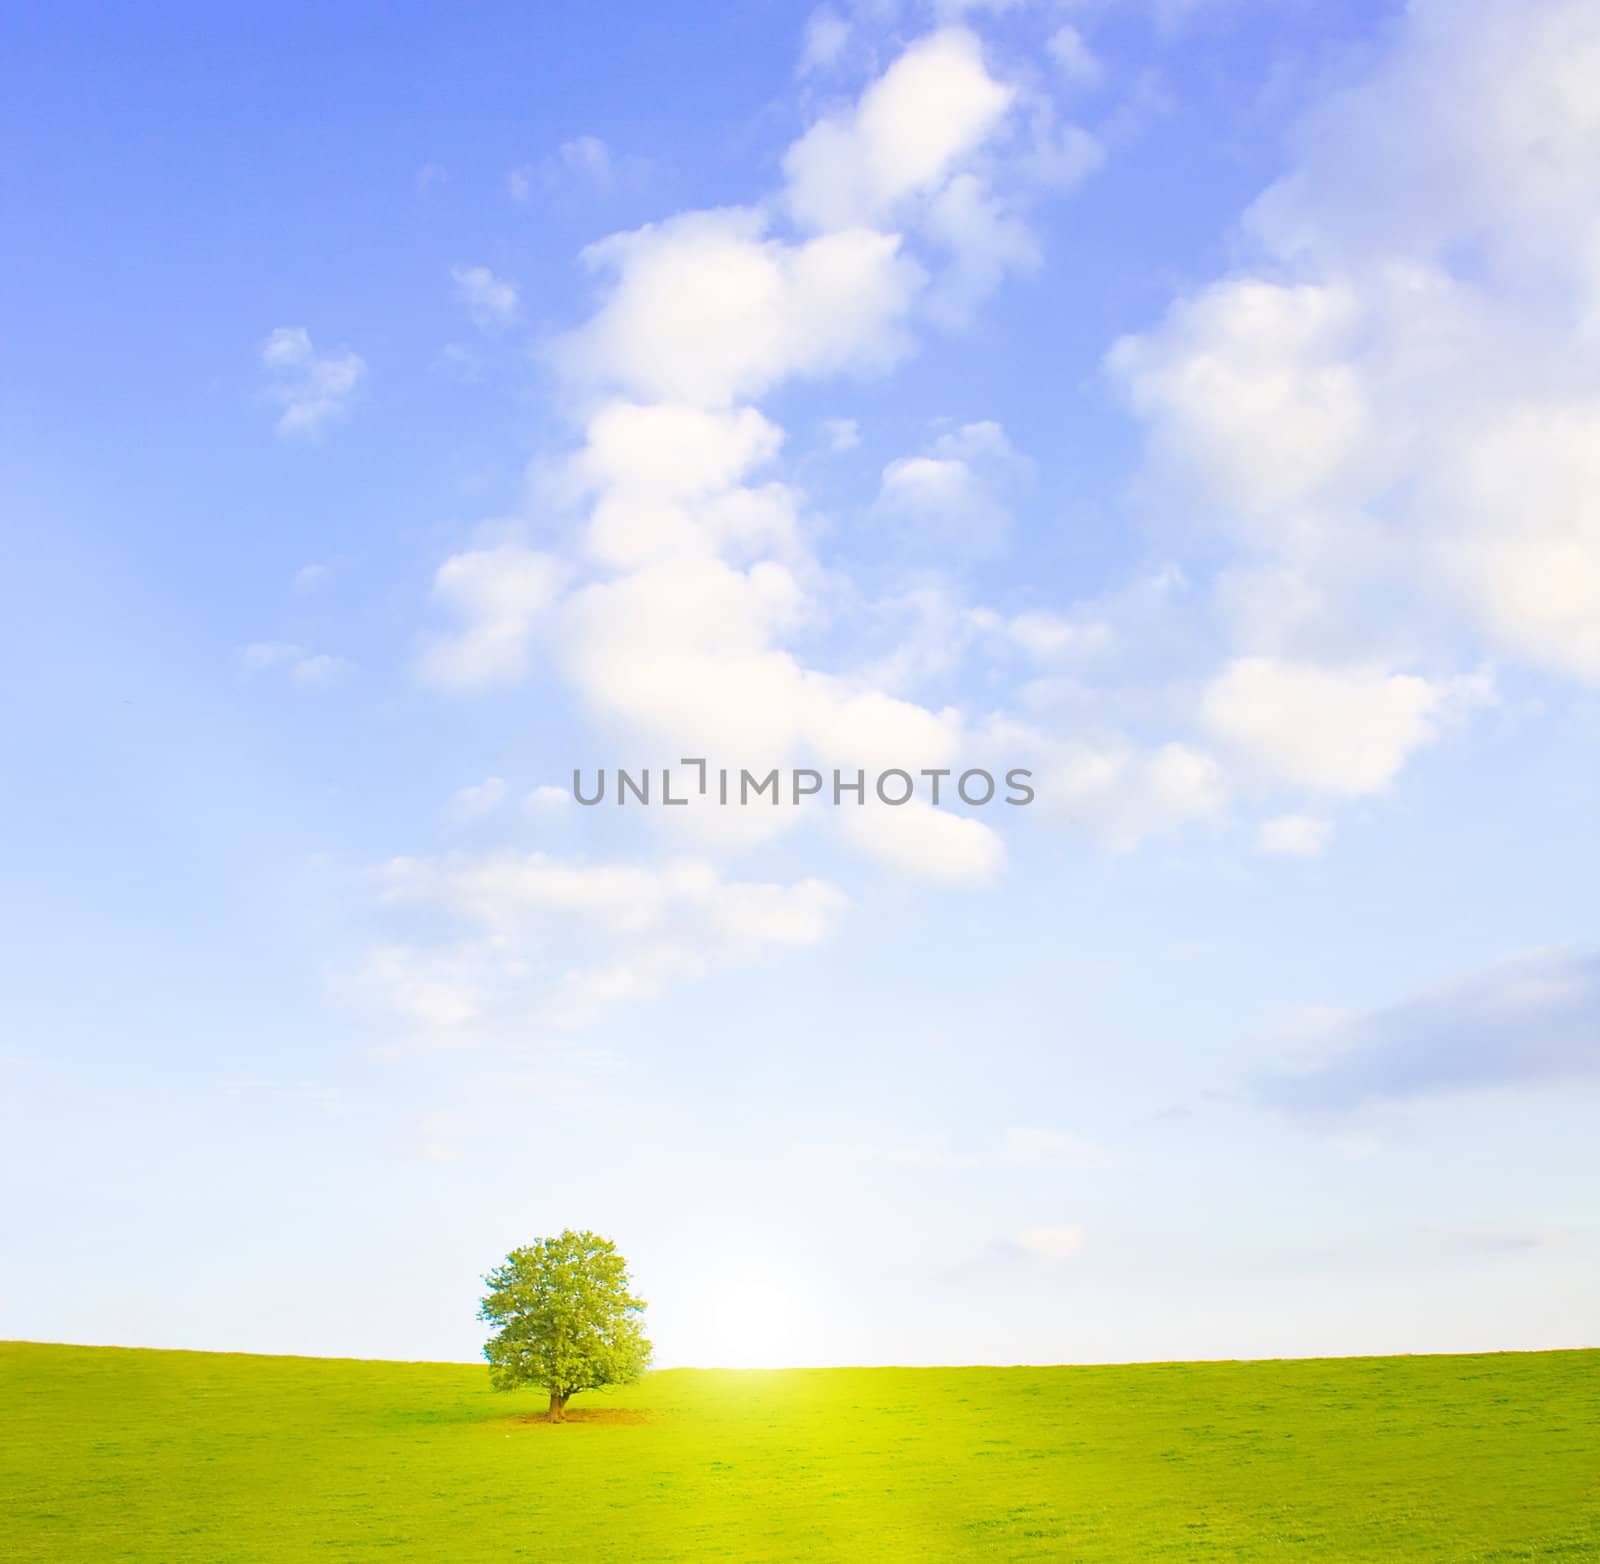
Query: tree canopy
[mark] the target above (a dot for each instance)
(567, 1317)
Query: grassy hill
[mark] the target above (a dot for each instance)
(110, 1454)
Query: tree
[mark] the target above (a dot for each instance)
(568, 1319)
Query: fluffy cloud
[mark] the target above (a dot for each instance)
(708, 308)
(686, 652)
(584, 163)
(1234, 361)
(500, 594)
(669, 478)
(542, 939)
(1524, 489)
(436, 990)
(1386, 410)
(826, 36)
(911, 128)
(477, 801)
(491, 301)
(314, 389)
(954, 495)
(704, 573)
(1113, 788)
(940, 149)
(935, 630)
(698, 576)
(1339, 730)
(921, 842)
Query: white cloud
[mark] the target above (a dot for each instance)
(1338, 730)
(706, 308)
(698, 574)
(941, 151)
(826, 36)
(1524, 487)
(1118, 791)
(668, 479)
(924, 843)
(491, 301)
(1048, 637)
(546, 798)
(687, 900)
(843, 434)
(1074, 58)
(937, 632)
(302, 666)
(1385, 408)
(957, 493)
(920, 484)
(501, 594)
(985, 239)
(476, 801)
(1294, 836)
(674, 449)
(434, 990)
(685, 651)
(935, 105)
(314, 389)
(583, 164)
(312, 578)
(1240, 358)
(553, 941)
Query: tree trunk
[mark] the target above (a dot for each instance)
(558, 1408)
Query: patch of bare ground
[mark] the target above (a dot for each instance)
(612, 1415)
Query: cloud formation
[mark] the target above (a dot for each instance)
(1384, 412)
(905, 137)
(1532, 1021)
(301, 664)
(955, 496)
(313, 389)
(490, 301)
(538, 940)
(1344, 731)
(498, 594)
(698, 571)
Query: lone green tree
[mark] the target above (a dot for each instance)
(567, 1318)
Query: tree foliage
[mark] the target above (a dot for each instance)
(567, 1317)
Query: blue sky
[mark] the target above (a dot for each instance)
(1193, 401)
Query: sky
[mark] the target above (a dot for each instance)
(1193, 403)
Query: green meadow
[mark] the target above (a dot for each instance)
(107, 1453)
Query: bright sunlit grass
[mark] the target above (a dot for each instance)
(110, 1454)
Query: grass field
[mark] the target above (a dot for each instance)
(110, 1454)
